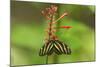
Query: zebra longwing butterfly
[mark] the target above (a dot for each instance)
(55, 46)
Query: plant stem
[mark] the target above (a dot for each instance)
(46, 59)
(49, 36)
(55, 57)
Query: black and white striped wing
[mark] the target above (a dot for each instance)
(47, 49)
(54, 46)
(61, 48)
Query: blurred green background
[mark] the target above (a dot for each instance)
(27, 33)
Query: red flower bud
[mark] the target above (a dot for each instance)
(66, 27)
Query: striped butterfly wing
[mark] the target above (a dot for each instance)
(57, 48)
(61, 48)
(54, 46)
(47, 49)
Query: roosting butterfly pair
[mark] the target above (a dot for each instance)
(52, 43)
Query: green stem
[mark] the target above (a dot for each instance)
(49, 37)
(47, 59)
(55, 57)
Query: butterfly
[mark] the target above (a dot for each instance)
(54, 46)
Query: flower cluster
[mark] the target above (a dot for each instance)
(49, 12)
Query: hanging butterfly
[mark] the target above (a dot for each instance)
(54, 46)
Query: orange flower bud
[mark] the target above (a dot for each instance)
(66, 27)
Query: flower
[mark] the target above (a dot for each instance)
(49, 12)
